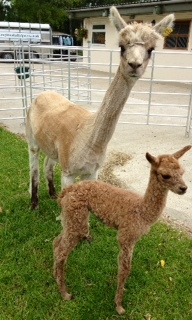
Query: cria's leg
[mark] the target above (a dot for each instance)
(74, 229)
(124, 269)
(34, 174)
(62, 247)
(85, 230)
(49, 166)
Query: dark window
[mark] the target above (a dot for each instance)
(98, 34)
(178, 39)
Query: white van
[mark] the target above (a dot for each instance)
(64, 39)
(12, 34)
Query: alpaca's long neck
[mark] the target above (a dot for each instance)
(154, 200)
(105, 119)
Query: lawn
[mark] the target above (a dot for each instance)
(28, 290)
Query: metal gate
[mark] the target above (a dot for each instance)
(162, 97)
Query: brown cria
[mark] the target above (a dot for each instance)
(75, 137)
(131, 214)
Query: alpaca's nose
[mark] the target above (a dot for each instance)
(134, 65)
(183, 189)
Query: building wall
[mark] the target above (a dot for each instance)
(164, 57)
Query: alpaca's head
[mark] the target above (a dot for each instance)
(137, 41)
(168, 170)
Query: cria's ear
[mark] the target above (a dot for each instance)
(151, 159)
(179, 153)
(116, 19)
(164, 24)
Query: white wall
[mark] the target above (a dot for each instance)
(167, 58)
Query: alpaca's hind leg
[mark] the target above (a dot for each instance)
(49, 166)
(34, 174)
(124, 269)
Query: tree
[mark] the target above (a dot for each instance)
(5, 7)
(103, 2)
(53, 12)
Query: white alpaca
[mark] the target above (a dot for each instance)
(75, 137)
(131, 214)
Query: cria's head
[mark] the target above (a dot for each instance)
(168, 170)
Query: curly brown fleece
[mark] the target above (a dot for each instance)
(131, 214)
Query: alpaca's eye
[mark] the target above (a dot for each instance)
(166, 176)
(150, 50)
(122, 49)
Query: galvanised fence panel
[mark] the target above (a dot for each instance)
(162, 97)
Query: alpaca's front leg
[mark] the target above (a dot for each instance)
(92, 176)
(34, 175)
(49, 166)
(124, 269)
(66, 180)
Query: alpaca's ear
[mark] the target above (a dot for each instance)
(116, 19)
(164, 27)
(153, 160)
(179, 153)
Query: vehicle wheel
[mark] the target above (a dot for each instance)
(73, 57)
(33, 55)
(7, 55)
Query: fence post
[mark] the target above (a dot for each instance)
(110, 67)
(151, 84)
(189, 116)
(21, 59)
(89, 74)
(69, 75)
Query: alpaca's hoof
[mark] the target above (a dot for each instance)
(51, 188)
(88, 238)
(67, 296)
(120, 310)
(53, 196)
(34, 206)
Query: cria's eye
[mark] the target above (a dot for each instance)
(150, 50)
(166, 176)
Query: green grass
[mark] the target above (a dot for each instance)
(27, 288)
